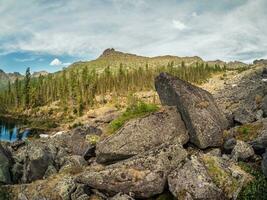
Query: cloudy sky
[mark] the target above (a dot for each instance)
(50, 34)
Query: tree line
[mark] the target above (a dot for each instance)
(76, 89)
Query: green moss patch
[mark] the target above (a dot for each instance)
(257, 188)
(248, 132)
(221, 177)
(136, 110)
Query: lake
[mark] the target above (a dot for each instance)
(10, 131)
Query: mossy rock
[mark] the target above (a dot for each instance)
(227, 176)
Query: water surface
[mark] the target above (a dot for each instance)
(10, 131)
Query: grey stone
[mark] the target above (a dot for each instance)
(229, 145)
(142, 134)
(203, 119)
(195, 180)
(144, 175)
(5, 165)
(242, 151)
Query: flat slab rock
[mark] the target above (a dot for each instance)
(143, 175)
(142, 134)
(202, 117)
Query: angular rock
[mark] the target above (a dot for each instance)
(244, 116)
(264, 106)
(260, 143)
(201, 115)
(35, 159)
(121, 196)
(215, 152)
(193, 178)
(5, 166)
(227, 176)
(229, 145)
(144, 175)
(140, 135)
(264, 164)
(242, 151)
(70, 162)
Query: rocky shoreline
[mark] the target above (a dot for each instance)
(190, 148)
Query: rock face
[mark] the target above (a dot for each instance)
(193, 178)
(143, 175)
(202, 117)
(208, 177)
(229, 145)
(264, 164)
(140, 135)
(243, 96)
(242, 151)
(5, 165)
(36, 160)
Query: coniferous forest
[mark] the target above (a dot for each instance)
(76, 88)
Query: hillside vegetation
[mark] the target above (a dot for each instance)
(114, 73)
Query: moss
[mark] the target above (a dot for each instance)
(222, 178)
(257, 188)
(136, 110)
(248, 132)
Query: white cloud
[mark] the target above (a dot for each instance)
(229, 30)
(56, 62)
(178, 25)
(194, 14)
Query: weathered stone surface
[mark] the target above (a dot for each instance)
(140, 135)
(264, 106)
(121, 196)
(260, 143)
(193, 178)
(264, 164)
(242, 151)
(215, 152)
(38, 159)
(244, 116)
(5, 166)
(227, 176)
(198, 109)
(229, 145)
(144, 175)
(70, 162)
(243, 101)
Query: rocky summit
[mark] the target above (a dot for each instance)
(198, 145)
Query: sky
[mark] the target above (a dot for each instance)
(51, 34)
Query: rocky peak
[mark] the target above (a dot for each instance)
(108, 51)
(261, 62)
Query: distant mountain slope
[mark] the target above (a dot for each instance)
(6, 77)
(11, 77)
(114, 59)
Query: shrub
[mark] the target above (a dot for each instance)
(138, 109)
(257, 188)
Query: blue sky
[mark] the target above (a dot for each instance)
(50, 34)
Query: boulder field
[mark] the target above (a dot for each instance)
(190, 149)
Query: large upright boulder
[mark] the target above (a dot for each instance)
(5, 166)
(143, 175)
(203, 119)
(142, 134)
